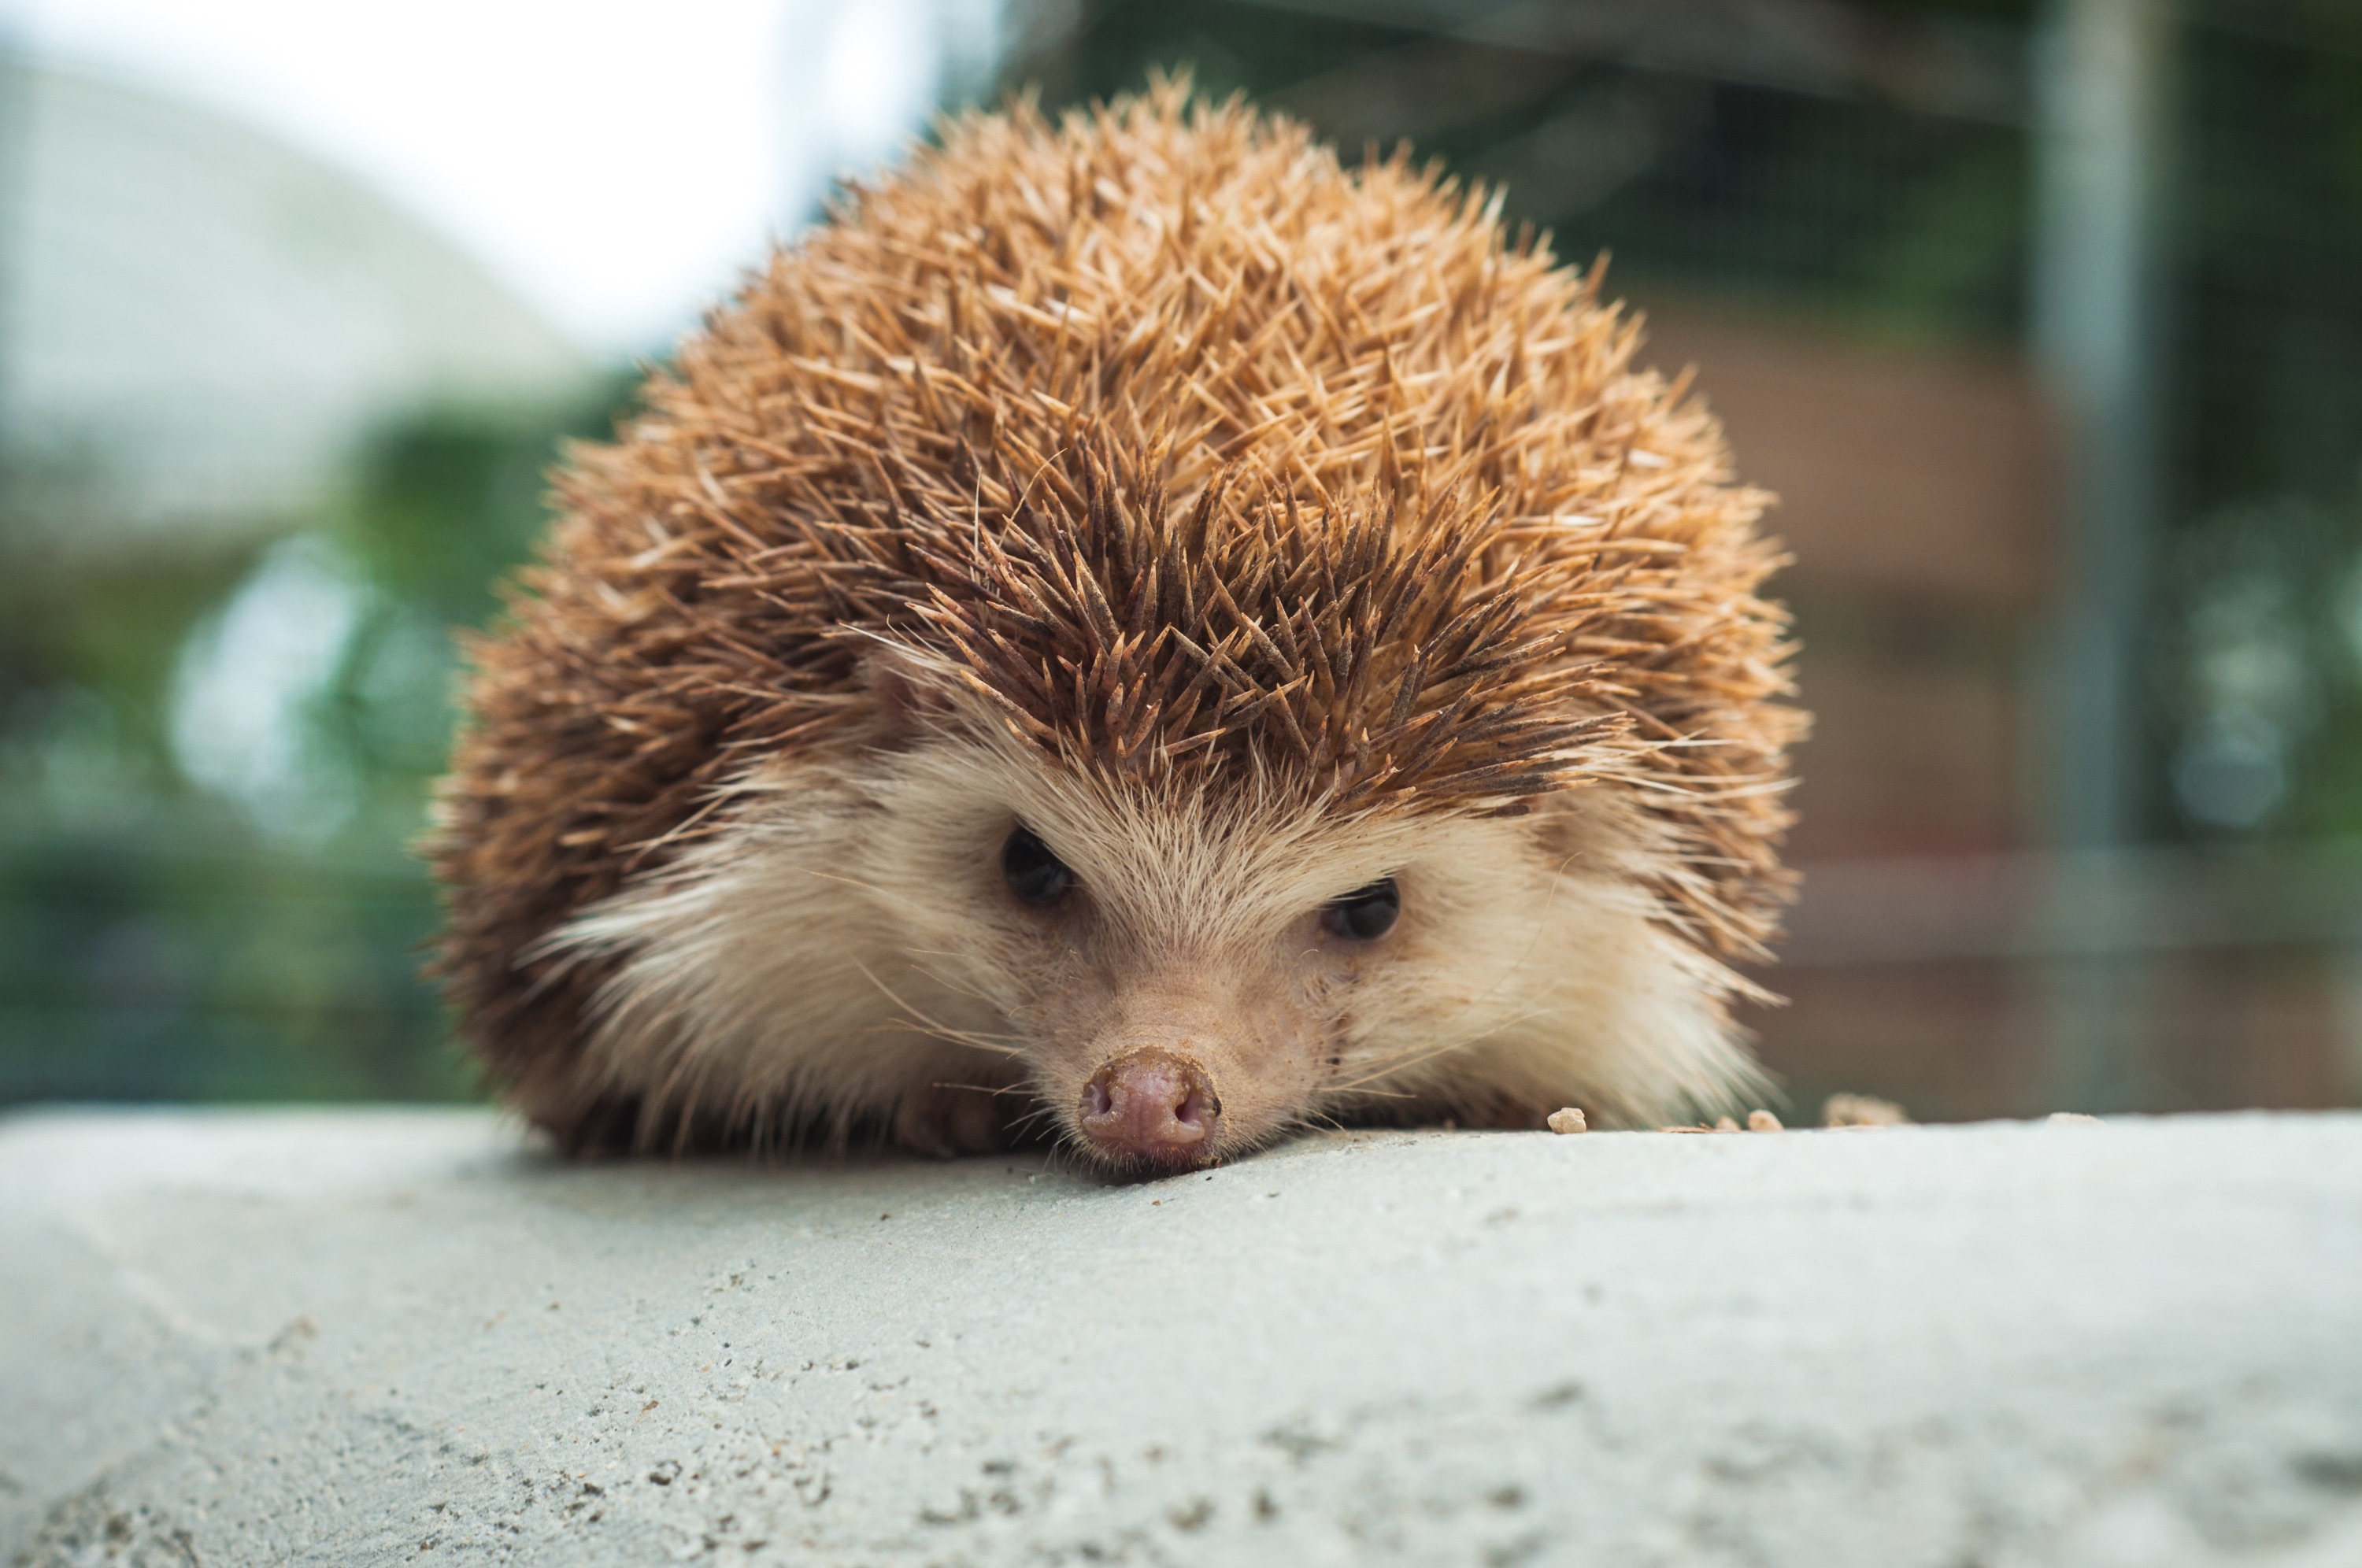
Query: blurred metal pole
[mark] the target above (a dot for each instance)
(2101, 69)
(15, 128)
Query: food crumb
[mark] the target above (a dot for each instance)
(1568, 1119)
(1862, 1110)
(1725, 1124)
(2071, 1119)
(1763, 1121)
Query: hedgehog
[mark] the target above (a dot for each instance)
(1137, 635)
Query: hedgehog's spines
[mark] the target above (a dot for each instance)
(1114, 420)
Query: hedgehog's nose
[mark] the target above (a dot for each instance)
(1151, 1106)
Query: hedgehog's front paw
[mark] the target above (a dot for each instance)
(946, 1121)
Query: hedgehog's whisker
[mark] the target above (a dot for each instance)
(977, 1033)
(1061, 1159)
(1413, 1056)
(871, 888)
(944, 1031)
(951, 1036)
(919, 1017)
(1025, 1122)
(946, 981)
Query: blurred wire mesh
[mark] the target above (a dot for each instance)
(2040, 318)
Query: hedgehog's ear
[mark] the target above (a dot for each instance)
(907, 698)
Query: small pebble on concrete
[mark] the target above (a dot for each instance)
(1862, 1110)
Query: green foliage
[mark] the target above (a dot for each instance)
(2265, 407)
(447, 501)
(158, 940)
(445, 505)
(1843, 205)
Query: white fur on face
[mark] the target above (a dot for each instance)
(847, 939)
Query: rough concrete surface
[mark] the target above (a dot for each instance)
(407, 1336)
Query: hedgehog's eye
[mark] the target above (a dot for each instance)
(1034, 874)
(1366, 913)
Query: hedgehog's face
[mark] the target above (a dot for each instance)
(1180, 1009)
(1176, 972)
(1167, 975)
(1187, 975)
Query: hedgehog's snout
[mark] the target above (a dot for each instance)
(1151, 1107)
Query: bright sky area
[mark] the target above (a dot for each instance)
(617, 164)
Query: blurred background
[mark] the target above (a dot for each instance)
(2045, 320)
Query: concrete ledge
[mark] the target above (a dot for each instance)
(397, 1336)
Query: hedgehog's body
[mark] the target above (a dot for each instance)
(1040, 638)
